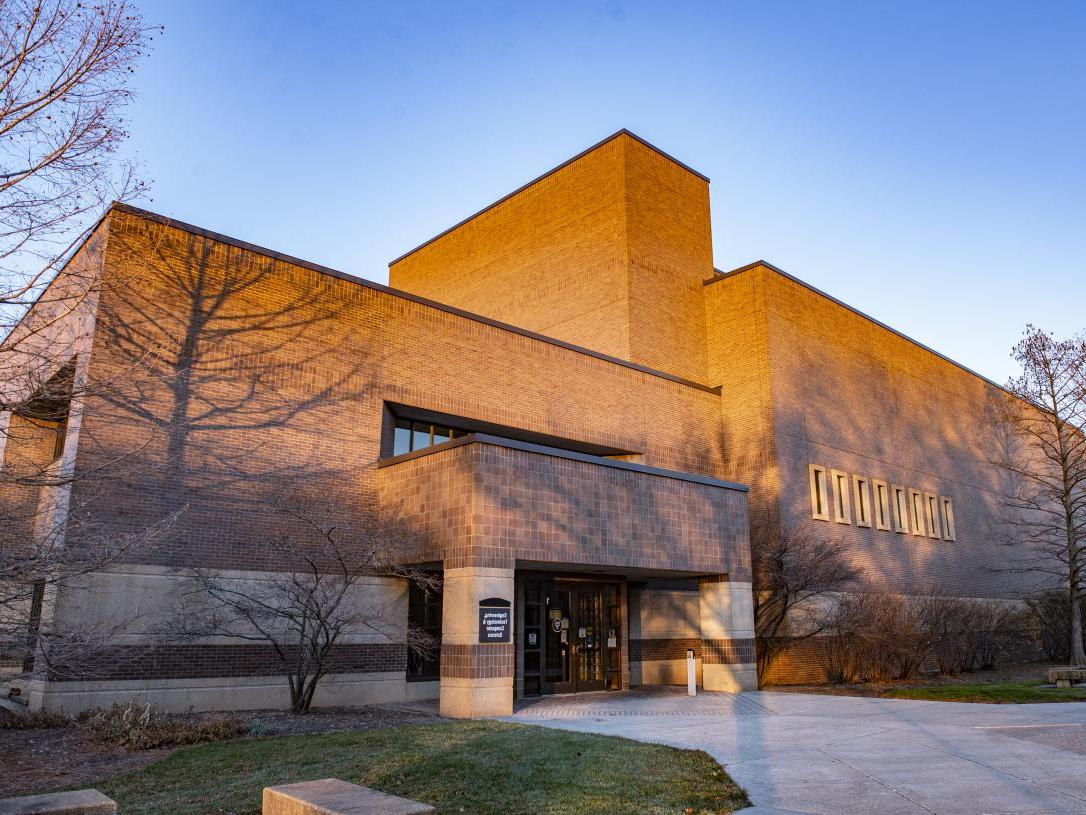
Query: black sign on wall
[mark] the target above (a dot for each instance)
(494, 619)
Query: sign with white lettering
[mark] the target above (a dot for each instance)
(494, 621)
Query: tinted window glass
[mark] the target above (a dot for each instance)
(424, 611)
(420, 438)
(403, 438)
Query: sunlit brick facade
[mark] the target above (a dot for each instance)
(558, 403)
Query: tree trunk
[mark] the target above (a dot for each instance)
(1077, 655)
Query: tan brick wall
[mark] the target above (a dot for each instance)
(301, 395)
(738, 360)
(849, 394)
(607, 252)
(670, 251)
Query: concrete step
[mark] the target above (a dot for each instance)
(77, 802)
(330, 796)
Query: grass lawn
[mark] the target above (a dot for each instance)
(476, 767)
(994, 693)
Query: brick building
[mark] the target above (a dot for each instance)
(558, 403)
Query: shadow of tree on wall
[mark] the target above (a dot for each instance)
(222, 380)
(235, 369)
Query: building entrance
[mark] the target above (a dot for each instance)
(571, 640)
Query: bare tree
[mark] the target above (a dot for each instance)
(64, 72)
(315, 594)
(65, 66)
(795, 571)
(1041, 448)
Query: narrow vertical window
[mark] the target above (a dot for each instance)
(862, 494)
(882, 505)
(424, 613)
(931, 505)
(819, 502)
(916, 504)
(901, 510)
(842, 511)
(948, 519)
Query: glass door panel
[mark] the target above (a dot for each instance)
(578, 626)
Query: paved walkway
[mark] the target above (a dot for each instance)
(810, 753)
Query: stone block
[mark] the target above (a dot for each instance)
(76, 802)
(330, 796)
(1067, 677)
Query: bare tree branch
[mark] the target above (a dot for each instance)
(1040, 447)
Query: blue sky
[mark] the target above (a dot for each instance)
(924, 162)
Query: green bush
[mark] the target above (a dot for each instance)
(143, 727)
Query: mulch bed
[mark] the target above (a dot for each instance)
(35, 761)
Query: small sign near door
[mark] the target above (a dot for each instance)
(494, 617)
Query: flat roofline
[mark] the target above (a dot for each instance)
(724, 275)
(552, 171)
(361, 281)
(528, 447)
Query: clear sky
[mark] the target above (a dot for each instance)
(924, 162)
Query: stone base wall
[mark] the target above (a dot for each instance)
(249, 693)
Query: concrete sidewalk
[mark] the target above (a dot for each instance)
(810, 753)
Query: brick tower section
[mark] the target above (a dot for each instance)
(607, 251)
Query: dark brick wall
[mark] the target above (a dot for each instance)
(712, 652)
(476, 661)
(485, 504)
(222, 661)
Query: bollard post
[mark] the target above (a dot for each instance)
(691, 674)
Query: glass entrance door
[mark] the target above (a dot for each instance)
(578, 647)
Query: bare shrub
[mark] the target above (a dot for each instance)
(38, 720)
(976, 634)
(843, 655)
(1048, 623)
(315, 599)
(881, 637)
(795, 572)
(954, 652)
(141, 726)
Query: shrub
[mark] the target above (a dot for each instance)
(1049, 624)
(977, 634)
(38, 720)
(889, 637)
(143, 727)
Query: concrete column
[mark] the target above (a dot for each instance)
(476, 679)
(727, 635)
